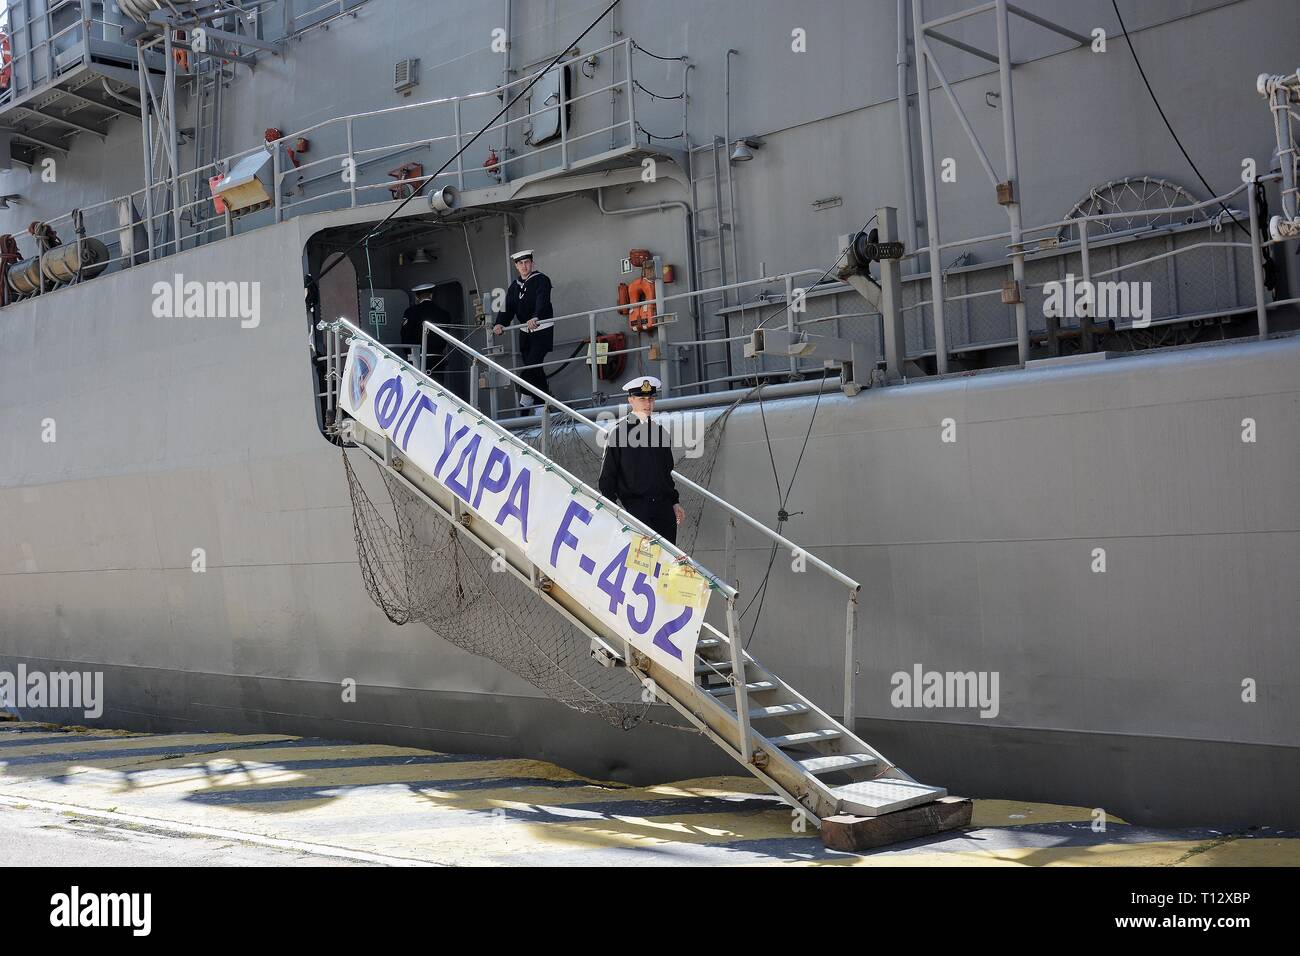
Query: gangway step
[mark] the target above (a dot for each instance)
(756, 687)
(712, 667)
(778, 710)
(834, 763)
(804, 738)
(871, 798)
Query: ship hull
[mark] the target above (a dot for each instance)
(1127, 689)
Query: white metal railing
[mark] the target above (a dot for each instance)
(1081, 225)
(191, 206)
(195, 211)
(44, 60)
(319, 13)
(659, 302)
(453, 109)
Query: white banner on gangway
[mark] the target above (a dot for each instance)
(582, 549)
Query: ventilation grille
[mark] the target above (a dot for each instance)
(406, 75)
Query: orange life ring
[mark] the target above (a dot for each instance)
(641, 294)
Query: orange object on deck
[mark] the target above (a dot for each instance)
(6, 61)
(181, 56)
(402, 174)
(642, 293)
(216, 200)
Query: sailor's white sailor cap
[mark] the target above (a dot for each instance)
(424, 287)
(644, 385)
(521, 254)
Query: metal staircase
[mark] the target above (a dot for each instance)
(807, 757)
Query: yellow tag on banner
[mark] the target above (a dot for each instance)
(642, 555)
(681, 584)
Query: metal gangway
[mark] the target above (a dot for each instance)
(809, 759)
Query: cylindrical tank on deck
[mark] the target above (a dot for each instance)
(24, 276)
(85, 258)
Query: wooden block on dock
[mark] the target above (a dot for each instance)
(854, 834)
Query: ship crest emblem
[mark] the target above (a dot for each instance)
(363, 366)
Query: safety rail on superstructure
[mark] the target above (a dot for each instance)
(156, 243)
(1019, 248)
(321, 13)
(792, 764)
(662, 343)
(352, 159)
(788, 283)
(42, 50)
(789, 291)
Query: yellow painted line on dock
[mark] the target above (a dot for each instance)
(1238, 852)
(125, 746)
(32, 728)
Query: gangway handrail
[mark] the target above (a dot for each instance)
(332, 327)
(851, 612)
(335, 325)
(604, 430)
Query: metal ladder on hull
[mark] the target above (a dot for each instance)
(210, 78)
(805, 756)
(712, 229)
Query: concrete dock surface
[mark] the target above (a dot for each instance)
(77, 796)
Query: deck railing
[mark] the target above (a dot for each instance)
(352, 166)
(353, 146)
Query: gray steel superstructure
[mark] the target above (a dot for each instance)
(972, 505)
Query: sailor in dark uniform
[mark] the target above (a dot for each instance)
(413, 319)
(528, 302)
(638, 468)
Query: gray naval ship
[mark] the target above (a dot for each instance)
(1014, 354)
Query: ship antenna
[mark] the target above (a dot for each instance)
(443, 168)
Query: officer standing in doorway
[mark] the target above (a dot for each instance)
(413, 319)
(637, 471)
(528, 302)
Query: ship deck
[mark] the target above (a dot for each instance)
(226, 798)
